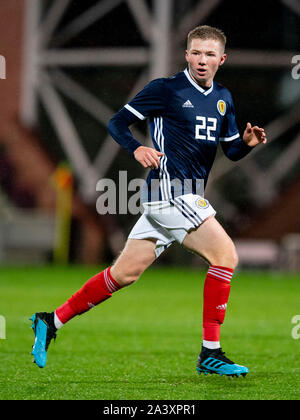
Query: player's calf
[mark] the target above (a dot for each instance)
(96, 290)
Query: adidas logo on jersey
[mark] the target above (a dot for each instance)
(188, 104)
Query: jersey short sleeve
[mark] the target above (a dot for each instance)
(229, 129)
(148, 102)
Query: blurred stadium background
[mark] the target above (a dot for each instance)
(70, 64)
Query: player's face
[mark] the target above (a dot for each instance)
(204, 58)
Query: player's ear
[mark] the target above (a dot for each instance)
(187, 55)
(223, 59)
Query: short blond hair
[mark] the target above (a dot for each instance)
(206, 32)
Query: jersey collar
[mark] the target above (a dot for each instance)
(204, 91)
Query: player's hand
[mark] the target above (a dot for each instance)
(254, 135)
(147, 157)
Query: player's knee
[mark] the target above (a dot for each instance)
(126, 277)
(226, 257)
(232, 258)
(235, 258)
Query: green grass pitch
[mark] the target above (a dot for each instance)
(143, 343)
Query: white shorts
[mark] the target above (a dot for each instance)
(169, 221)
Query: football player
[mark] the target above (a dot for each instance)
(189, 114)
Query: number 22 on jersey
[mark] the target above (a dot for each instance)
(208, 124)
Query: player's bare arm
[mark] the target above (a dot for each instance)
(254, 135)
(147, 157)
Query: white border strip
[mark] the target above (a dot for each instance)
(235, 136)
(135, 112)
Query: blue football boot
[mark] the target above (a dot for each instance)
(44, 331)
(215, 361)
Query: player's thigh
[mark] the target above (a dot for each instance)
(212, 242)
(136, 257)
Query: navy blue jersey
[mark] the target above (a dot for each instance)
(187, 123)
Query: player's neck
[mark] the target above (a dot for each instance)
(205, 84)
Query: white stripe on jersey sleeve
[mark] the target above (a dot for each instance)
(235, 136)
(135, 112)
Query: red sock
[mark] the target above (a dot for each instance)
(216, 294)
(95, 290)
